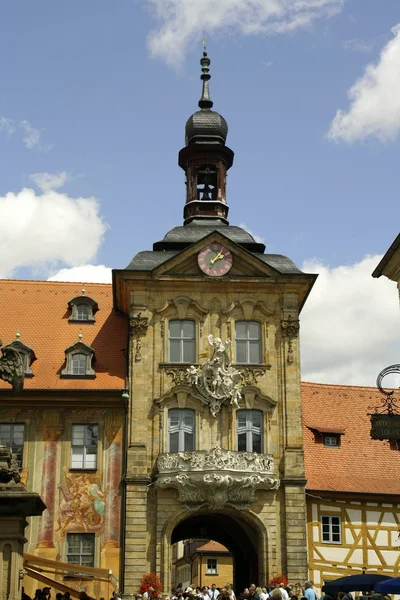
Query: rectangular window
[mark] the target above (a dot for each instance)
(182, 341)
(79, 364)
(84, 446)
(80, 549)
(249, 428)
(12, 436)
(331, 440)
(212, 566)
(331, 529)
(181, 424)
(248, 342)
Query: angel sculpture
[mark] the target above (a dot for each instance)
(12, 367)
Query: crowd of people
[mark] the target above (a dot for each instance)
(253, 592)
(45, 594)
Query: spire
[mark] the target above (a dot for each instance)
(205, 100)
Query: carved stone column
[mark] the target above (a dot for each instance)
(51, 434)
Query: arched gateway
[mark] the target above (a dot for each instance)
(214, 419)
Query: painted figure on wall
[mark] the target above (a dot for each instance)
(82, 504)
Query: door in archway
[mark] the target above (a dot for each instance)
(232, 532)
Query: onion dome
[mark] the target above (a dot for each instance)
(206, 126)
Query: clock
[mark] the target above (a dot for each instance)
(215, 260)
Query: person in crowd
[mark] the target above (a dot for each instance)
(115, 595)
(276, 594)
(67, 596)
(264, 594)
(205, 593)
(25, 596)
(213, 592)
(38, 595)
(59, 596)
(285, 595)
(309, 592)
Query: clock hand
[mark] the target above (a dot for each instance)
(219, 255)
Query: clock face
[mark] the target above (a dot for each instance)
(215, 260)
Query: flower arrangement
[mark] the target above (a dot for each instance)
(150, 583)
(277, 579)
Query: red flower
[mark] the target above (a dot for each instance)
(277, 579)
(150, 580)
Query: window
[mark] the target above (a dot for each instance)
(182, 341)
(12, 436)
(181, 430)
(212, 566)
(79, 362)
(331, 440)
(249, 430)
(84, 446)
(83, 312)
(27, 355)
(80, 549)
(331, 529)
(248, 342)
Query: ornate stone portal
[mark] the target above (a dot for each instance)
(216, 478)
(216, 380)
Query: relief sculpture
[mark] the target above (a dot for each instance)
(82, 504)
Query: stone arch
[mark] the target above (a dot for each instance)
(245, 527)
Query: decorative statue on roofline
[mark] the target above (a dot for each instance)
(216, 380)
(12, 367)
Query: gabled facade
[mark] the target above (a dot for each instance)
(67, 432)
(214, 447)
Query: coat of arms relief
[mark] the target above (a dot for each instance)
(216, 380)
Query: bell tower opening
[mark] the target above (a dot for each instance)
(233, 532)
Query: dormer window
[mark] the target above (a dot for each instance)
(79, 358)
(83, 309)
(331, 440)
(330, 437)
(27, 355)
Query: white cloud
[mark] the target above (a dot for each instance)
(258, 238)
(40, 231)
(7, 125)
(183, 21)
(84, 274)
(374, 109)
(349, 325)
(49, 181)
(31, 137)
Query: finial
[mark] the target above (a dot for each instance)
(204, 42)
(17, 335)
(205, 100)
(80, 336)
(83, 290)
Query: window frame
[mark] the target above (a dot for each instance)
(333, 437)
(182, 429)
(330, 526)
(10, 447)
(211, 571)
(87, 535)
(250, 429)
(85, 447)
(79, 301)
(249, 340)
(70, 352)
(182, 339)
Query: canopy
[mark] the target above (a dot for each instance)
(354, 583)
(389, 586)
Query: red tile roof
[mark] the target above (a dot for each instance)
(212, 547)
(39, 311)
(360, 464)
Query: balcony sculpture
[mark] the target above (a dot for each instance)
(12, 367)
(216, 478)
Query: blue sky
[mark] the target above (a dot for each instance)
(96, 94)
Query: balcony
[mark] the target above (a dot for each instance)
(216, 478)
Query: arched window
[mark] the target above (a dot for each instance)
(248, 342)
(249, 430)
(79, 364)
(182, 341)
(181, 426)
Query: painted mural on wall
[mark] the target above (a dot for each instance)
(82, 504)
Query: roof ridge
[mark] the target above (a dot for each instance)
(340, 385)
(33, 281)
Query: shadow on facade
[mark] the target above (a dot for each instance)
(241, 540)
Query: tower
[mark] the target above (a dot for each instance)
(214, 444)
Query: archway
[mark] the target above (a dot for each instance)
(242, 540)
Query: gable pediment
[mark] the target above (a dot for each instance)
(244, 263)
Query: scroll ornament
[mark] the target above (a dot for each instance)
(216, 380)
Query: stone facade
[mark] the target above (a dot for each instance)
(162, 490)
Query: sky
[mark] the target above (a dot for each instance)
(94, 99)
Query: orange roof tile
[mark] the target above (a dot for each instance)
(39, 311)
(360, 464)
(212, 547)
